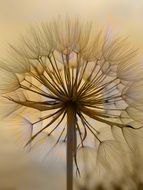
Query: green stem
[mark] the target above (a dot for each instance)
(71, 120)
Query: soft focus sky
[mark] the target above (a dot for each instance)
(124, 16)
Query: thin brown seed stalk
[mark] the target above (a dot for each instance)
(71, 124)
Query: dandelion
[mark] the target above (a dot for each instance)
(77, 77)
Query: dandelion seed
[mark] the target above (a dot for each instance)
(78, 78)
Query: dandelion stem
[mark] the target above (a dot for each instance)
(71, 144)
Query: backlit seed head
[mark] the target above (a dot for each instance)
(68, 63)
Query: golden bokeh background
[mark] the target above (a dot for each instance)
(123, 15)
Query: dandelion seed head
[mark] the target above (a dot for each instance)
(67, 63)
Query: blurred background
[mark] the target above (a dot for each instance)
(18, 170)
(123, 15)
